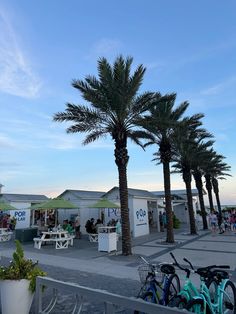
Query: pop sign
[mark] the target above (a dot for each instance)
(22, 218)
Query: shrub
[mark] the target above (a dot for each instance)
(21, 268)
(176, 222)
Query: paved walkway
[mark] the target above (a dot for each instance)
(202, 249)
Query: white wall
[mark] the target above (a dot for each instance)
(140, 217)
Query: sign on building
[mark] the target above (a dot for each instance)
(22, 218)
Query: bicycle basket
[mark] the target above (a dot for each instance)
(143, 271)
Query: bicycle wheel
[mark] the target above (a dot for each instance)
(229, 298)
(197, 306)
(212, 285)
(172, 289)
(178, 301)
(148, 297)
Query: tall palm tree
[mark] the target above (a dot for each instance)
(202, 153)
(160, 123)
(113, 109)
(187, 138)
(217, 169)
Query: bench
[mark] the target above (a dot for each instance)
(37, 243)
(93, 237)
(70, 239)
(61, 243)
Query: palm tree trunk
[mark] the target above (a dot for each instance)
(216, 191)
(169, 215)
(121, 160)
(199, 186)
(209, 191)
(187, 180)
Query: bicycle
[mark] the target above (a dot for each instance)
(189, 291)
(160, 282)
(214, 295)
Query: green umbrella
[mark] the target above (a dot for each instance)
(104, 203)
(6, 206)
(55, 203)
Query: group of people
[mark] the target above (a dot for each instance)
(7, 221)
(92, 227)
(224, 222)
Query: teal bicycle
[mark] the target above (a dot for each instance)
(189, 290)
(217, 294)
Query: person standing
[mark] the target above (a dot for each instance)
(77, 227)
(161, 222)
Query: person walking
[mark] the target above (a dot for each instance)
(212, 221)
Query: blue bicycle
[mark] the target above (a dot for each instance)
(160, 282)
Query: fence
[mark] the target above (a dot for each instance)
(112, 302)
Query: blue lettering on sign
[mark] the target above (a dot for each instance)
(141, 213)
(113, 212)
(20, 215)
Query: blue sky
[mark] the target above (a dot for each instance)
(188, 47)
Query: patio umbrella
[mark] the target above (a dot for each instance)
(104, 203)
(55, 203)
(6, 206)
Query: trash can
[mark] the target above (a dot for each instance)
(26, 235)
(107, 239)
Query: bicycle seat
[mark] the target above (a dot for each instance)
(167, 269)
(203, 272)
(220, 274)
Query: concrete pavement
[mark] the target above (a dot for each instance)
(202, 249)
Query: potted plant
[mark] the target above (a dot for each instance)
(18, 283)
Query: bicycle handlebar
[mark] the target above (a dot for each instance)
(199, 270)
(187, 270)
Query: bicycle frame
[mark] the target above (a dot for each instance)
(189, 291)
(217, 304)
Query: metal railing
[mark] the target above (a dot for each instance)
(112, 302)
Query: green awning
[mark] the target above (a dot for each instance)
(104, 203)
(55, 203)
(6, 206)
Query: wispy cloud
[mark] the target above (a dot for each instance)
(220, 87)
(105, 47)
(16, 75)
(7, 142)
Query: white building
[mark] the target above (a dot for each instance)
(143, 211)
(179, 202)
(22, 202)
(82, 199)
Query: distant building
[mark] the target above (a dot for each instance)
(179, 202)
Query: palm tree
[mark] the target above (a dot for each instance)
(202, 154)
(114, 108)
(216, 169)
(160, 123)
(187, 138)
